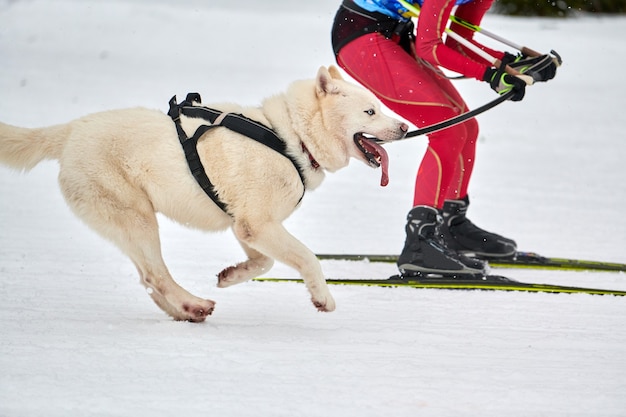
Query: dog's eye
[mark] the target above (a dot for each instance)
(370, 112)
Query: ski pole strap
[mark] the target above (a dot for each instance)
(460, 118)
(506, 60)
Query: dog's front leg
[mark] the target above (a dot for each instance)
(256, 264)
(273, 240)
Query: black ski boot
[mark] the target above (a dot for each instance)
(463, 236)
(424, 253)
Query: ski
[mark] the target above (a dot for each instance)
(519, 260)
(485, 283)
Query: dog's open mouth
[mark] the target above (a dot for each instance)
(375, 154)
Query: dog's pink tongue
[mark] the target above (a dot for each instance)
(384, 162)
(384, 165)
(374, 149)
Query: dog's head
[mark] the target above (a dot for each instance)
(348, 122)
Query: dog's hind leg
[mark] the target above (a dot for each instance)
(125, 216)
(274, 241)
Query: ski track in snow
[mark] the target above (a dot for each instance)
(79, 336)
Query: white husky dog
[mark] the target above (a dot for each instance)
(119, 168)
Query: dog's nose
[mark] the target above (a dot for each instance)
(404, 127)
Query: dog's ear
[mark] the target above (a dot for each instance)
(334, 73)
(324, 83)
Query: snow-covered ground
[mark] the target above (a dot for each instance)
(79, 336)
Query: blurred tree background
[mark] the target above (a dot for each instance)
(558, 8)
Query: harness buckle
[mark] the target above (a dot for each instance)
(174, 111)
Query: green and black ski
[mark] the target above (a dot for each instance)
(519, 260)
(486, 283)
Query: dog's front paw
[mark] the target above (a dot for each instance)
(239, 273)
(227, 277)
(326, 304)
(197, 312)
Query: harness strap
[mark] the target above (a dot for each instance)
(235, 122)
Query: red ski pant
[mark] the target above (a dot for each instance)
(421, 96)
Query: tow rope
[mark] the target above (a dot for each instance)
(460, 118)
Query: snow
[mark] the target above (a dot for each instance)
(79, 336)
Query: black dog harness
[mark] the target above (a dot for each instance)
(235, 122)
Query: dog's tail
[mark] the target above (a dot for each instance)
(23, 148)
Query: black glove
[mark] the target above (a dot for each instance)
(502, 83)
(541, 68)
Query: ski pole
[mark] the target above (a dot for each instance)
(483, 54)
(494, 61)
(523, 49)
